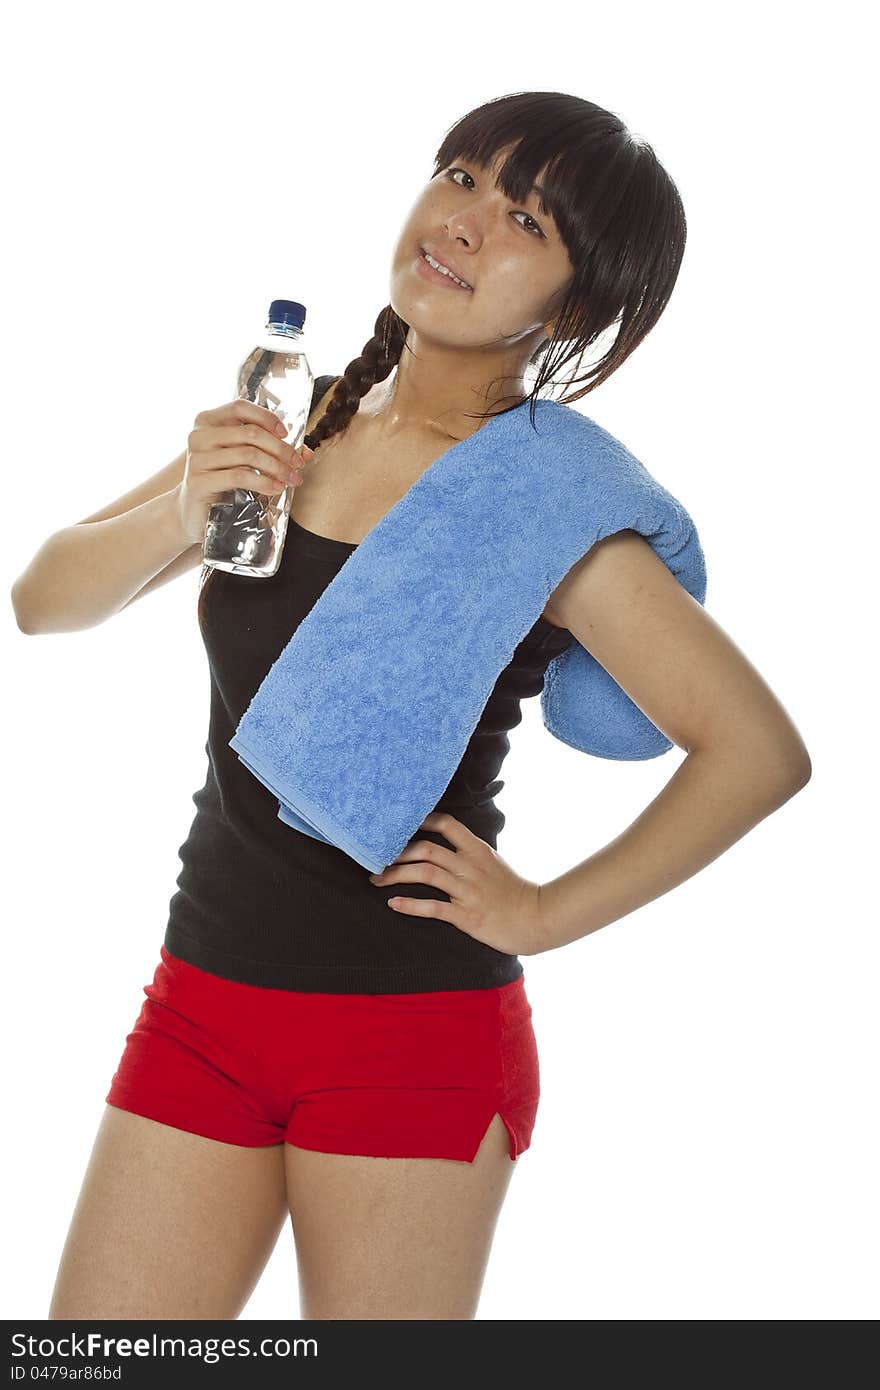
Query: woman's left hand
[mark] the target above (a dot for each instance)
(488, 900)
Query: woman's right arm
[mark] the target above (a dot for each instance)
(85, 573)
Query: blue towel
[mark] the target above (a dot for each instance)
(360, 723)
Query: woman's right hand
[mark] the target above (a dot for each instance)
(236, 445)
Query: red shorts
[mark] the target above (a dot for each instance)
(390, 1075)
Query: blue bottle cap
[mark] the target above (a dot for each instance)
(287, 311)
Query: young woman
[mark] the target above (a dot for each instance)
(356, 1053)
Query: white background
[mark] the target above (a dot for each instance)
(705, 1145)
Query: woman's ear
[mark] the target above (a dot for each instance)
(550, 325)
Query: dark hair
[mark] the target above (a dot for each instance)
(620, 217)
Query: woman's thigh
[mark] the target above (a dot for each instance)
(395, 1238)
(168, 1224)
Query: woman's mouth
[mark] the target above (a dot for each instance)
(435, 276)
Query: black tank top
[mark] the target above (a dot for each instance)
(263, 903)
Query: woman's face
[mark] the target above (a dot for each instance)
(510, 254)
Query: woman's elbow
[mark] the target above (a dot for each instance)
(804, 771)
(788, 767)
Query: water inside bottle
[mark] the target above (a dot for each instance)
(245, 531)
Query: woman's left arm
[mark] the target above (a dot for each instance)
(745, 758)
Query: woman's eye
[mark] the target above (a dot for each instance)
(535, 230)
(534, 227)
(450, 172)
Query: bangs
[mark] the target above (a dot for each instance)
(568, 159)
(517, 175)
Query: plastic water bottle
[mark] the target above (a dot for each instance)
(245, 530)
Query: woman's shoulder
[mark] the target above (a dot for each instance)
(323, 384)
(321, 390)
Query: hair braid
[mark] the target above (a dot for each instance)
(379, 356)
